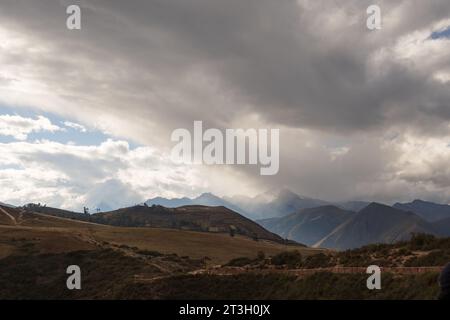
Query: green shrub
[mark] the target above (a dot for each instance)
(432, 259)
(149, 253)
(292, 259)
(239, 262)
(317, 261)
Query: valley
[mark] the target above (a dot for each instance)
(155, 262)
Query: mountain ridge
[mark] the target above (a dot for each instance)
(376, 223)
(309, 225)
(205, 199)
(429, 211)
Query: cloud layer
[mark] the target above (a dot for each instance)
(363, 114)
(19, 127)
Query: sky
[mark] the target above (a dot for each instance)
(86, 115)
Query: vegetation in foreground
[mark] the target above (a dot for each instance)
(105, 273)
(118, 263)
(110, 274)
(421, 251)
(321, 285)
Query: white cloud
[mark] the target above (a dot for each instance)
(75, 126)
(72, 176)
(311, 67)
(20, 127)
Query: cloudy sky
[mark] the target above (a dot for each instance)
(86, 115)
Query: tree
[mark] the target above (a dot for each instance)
(232, 231)
(86, 210)
(261, 255)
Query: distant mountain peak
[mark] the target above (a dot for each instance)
(377, 205)
(286, 193)
(380, 209)
(327, 207)
(208, 195)
(204, 199)
(6, 205)
(308, 225)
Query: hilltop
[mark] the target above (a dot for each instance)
(189, 218)
(42, 233)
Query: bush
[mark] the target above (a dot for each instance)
(421, 241)
(317, 261)
(239, 262)
(149, 253)
(261, 255)
(432, 259)
(292, 259)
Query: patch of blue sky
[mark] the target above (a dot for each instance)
(6, 139)
(441, 34)
(10, 167)
(65, 136)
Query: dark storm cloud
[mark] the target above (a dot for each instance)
(279, 59)
(146, 67)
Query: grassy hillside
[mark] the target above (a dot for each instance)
(41, 233)
(193, 218)
(421, 251)
(158, 263)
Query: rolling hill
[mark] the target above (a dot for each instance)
(26, 218)
(193, 218)
(39, 233)
(36, 248)
(157, 263)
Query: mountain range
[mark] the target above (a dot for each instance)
(376, 223)
(6, 205)
(274, 203)
(308, 226)
(205, 199)
(332, 227)
(429, 211)
(281, 215)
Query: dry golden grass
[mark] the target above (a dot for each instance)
(46, 234)
(220, 248)
(6, 250)
(42, 240)
(43, 220)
